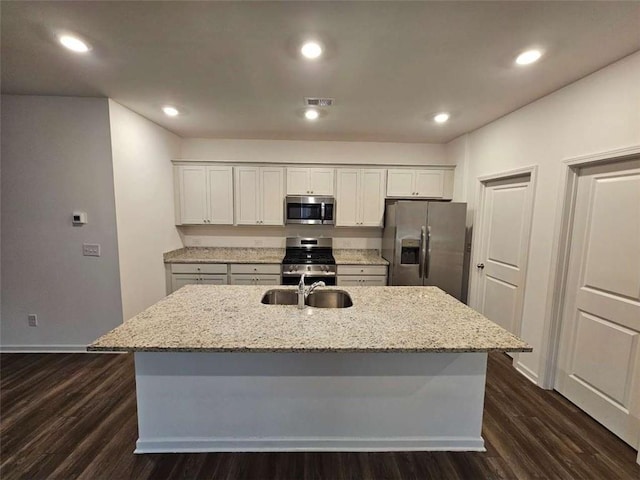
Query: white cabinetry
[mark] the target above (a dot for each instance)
(255, 274)
(310, 181)
(361, 275)
(204, 195)
(360, 197)
(420, 183)
(259, 196)
(201, 274)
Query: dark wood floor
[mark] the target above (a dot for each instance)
(74, 416)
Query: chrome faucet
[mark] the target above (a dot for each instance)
(303, 292)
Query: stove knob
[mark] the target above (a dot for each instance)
(308, 268)
(295, 269)
(290, 269)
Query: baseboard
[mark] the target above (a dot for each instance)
(527, 372)
(46, 349)
(200, 445)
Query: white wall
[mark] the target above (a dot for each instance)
(599, 113)
(278, 151)
(143, 177)
(56, 158)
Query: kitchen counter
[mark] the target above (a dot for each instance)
(207, 318)
(224, 255)
(358, 257)
(264, 255)
(403, 369)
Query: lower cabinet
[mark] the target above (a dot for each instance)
(255, 274)
(199, 274)
(361, 275)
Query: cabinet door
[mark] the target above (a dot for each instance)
(347, 197)
(372, 187)
(429, 183)
(400, 183)
(220, 195)
(267, 280)
(179, 280)
(348, 281)
(242, 280)
(247, 195)
(373, 281)
(298, 181)
(193, 194)
(213, 280)
(321, 181)
(272, 196)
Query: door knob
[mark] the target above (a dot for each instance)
(480, 266)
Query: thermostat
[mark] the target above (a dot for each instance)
(79, 218)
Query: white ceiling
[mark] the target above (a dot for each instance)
(233, 67)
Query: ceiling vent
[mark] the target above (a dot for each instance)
(318, 102)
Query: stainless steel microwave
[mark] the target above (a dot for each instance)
(309, 210)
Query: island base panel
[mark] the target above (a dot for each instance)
(214, 402)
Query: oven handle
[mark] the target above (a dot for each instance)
(309, 274)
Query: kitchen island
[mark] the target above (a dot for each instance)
(404, 368)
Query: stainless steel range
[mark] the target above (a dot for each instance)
(311, 256)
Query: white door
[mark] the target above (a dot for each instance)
(213, 280)
(268, 280)
(598, 357)
(372, 188)
(500, 265)
(179, 280)
(272, 196)
(247, 193)
(193, 194)
(429, 183)
(298, 181)
(220, 195)
(321, 181)
(400, 183)
(343, 281)
(347, 198)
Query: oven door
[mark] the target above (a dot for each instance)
(289, 279)
(309, 210)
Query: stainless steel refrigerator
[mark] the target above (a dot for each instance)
(424, 243)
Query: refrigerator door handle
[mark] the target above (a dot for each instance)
(428, 255)
(423, 247)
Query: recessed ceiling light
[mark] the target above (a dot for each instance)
(311, 114)
(441, 117)
(74, 43)
(311, 50)
(528, 57)
(170, 111)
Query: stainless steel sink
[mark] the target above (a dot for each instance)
(329, 299)
(317, 299)
(280, 297)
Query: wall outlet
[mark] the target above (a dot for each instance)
(91, 249)
(32, 318)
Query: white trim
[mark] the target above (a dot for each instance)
(46, 349)
(195, 445)
(560, 253)
(526, 372)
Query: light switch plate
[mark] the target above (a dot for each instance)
(91, 249)
(32, 318)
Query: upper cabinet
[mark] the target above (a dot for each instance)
(310, 181)
(360, 197)
(259, 196)
(420, 182)
(204, 195)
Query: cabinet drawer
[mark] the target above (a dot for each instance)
(257, 268)
(241, 279)
(219, 268)
(362, 281)
(179, 280)
(362, 270)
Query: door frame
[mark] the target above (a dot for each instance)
(477, 244)
(560, 250)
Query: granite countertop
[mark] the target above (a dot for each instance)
(358, 257)
(224, 255)
(211, 318)
(263, 255)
